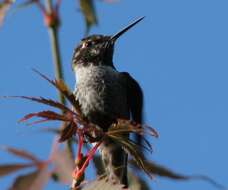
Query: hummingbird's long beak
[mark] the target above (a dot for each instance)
(118, 34)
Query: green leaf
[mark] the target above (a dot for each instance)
(6, 169)
(89, 13)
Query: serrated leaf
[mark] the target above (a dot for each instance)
(88, 11)
(163, 171)
(41, 180)
(62, 87)
(156, 169)
(68, 131)
(159, 170)
(4, 7)
(102, 184)
(133, 150)
(47, 115)
(45, 101)
(21, 153)
(32, 181)
(24, 181)
(6, 169)
(127, 127)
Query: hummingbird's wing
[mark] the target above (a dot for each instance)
(135, 100)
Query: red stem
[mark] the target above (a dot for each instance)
(88, 158)
(80, 144)
(57, 5)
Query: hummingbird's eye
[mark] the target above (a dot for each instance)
(87, 44)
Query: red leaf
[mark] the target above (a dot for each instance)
(44, 101)
(156, 169)
(32, 181)
(48, 115)
(10, 168)
(24, 181)
(60, 85)
(41, 179)
(68, 131)
(151, 131)
(21, 153)
(63, 165)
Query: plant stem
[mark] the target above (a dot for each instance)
(53, 34)
(48, 5)
(54, 41)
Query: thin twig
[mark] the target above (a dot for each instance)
(53, 34)
(54, 42)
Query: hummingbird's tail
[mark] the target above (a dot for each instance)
(115, 162)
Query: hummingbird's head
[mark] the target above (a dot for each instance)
(97, 49)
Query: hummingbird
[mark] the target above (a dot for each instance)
(105, 95)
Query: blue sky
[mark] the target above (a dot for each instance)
(179, 55)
